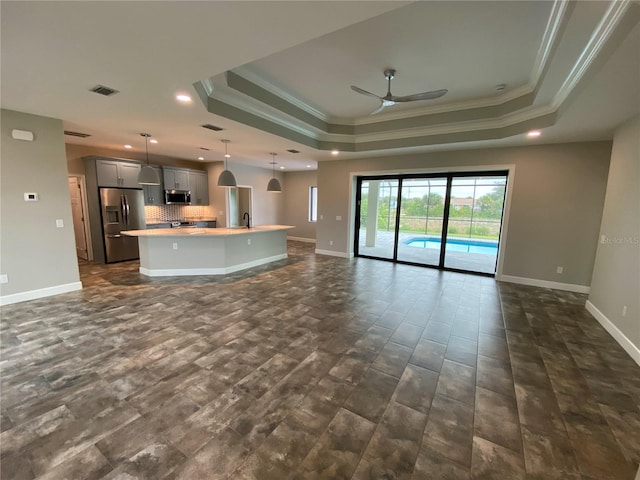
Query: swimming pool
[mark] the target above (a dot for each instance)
(469, 245)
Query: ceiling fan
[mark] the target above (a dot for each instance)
(389, 100)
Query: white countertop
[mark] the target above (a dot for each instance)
(213, 232)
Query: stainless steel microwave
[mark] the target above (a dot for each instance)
(177, 197)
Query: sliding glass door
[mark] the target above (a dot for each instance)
(378, 200)
(421, 219)
(449, 221)
(475, 220)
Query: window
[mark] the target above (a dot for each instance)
(313, 204)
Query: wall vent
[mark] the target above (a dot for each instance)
(212, 127)
(293, 151)
(102, 90)
(76, 134)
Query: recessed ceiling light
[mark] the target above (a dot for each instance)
(200, 158)
(281, 168)
(153, 140)
(533, 134)
(183, 97)
(308, 166)
(335, 151)
(128, 146)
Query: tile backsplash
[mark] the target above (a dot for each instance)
(165, 213)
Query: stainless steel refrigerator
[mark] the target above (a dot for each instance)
(122, 209)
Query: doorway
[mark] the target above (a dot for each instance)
(239, 202)
(446, 221)
(77, 193)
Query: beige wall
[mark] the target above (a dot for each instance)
(616, 276)
(268, 207)
(34, 253)
(296, 209)
(556, 203)
(75, 164)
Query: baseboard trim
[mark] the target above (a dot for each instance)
(534, 282)
(40, 293)
(332, 253)
(186, 272)
(614, 331)
(302, 239)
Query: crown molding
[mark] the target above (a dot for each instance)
(507, 120)
(243, 96)
(551, 35)
(253, 77)
(605, 28)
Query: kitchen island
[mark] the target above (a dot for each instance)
(208, 251)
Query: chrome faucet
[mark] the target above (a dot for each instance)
(246, 215)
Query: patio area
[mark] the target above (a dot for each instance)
(473, 262)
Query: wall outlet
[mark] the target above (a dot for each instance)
(321, 217)
(339, 218)
(59, 223)
(559, 269)
(175, 245)
(248, 241)
(31, 197)
(4, 278)
(330, 242)
(624, 310)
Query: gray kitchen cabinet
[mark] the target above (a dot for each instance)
(176, 179)
(199, 186)
(114, 173)
(154, 194)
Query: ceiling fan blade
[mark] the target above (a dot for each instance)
(379, 109)
(421, 96)
(364, 92)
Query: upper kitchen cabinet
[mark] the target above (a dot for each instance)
(176, 179)
(199, 185)
(154, 194)
(119, 174)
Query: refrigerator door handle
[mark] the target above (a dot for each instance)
(123, 210)
(126, 209)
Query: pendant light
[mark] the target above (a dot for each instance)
(274, 184)
(226, 178)
(148, 175)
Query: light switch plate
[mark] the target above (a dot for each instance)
(59, 223)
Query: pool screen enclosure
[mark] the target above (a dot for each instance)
(450, 221)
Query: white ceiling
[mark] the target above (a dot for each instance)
(309, 53)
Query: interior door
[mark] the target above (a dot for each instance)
(77, 212)
(239, 202)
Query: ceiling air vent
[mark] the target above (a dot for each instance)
(102, 90)
(293, 151)
(76, 134)
(205, 149)
(212, 127)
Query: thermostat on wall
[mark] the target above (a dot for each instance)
(22, 135)
(31, 197)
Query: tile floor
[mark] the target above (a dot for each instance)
(313, 367)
